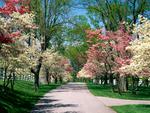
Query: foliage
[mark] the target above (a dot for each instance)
(19, 52)
(51, 15)
(140, 49)
(76, 55)
(57, 65)
(11, 53)
(110, 13)
(11, 6)
(106, 52)
(13, 17)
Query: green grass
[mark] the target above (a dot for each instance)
(132, 109)
(23, 98)
(101, 90)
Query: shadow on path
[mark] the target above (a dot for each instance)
(70, 98)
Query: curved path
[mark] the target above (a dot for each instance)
(118, 102)
(71, 98)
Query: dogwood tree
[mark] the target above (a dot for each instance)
(140, 62)
(57, 66)
(107, 53)
(16, 24)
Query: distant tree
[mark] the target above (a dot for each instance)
(112, 12)
(51, 15)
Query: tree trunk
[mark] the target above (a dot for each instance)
(96, 80)
(47, 76)
(105, 79)
(146, 82)
(8, 80)
(122, 84)
(36, 81)
(36, 72)
(117, 79)
(13, 81)
(60, 79)
(56, 80)
(127, 83)
(133, 85)
(135, 81)
(5, 77)
(111, 81)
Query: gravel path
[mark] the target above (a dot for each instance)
(71, 98)
(118, 102)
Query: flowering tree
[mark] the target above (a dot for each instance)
(21, 6)
(139, 48)
(17, 29)
(11, 6)
(106, 53)
(15, 22)
(56, 66)
(99, 54)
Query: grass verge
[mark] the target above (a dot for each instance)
(132, 109)
(105, 91)
(23, 98)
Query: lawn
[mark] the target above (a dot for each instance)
(23, 98)
(101, 90)
(132, 109)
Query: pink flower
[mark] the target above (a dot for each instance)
(119, 60)
(14, 1)
(4, 38)
(113, 46)
(103, 37)
(23, 9)
(15, 34)
(103, 45)
(12, 6)
(9, 8)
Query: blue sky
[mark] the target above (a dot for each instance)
(1, 3)
(79, 12)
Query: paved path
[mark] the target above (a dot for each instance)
(71, 98)
(114, 102)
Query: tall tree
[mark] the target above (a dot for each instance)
(111, 12)
(51, 15)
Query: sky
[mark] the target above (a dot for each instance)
(1, 3)
(79, 12)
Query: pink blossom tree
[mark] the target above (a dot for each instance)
(9, 8)
(109, 52)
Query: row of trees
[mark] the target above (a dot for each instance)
(100, 14)
(114, 50)
(23, 47)
(36, 29)
(118, 54)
